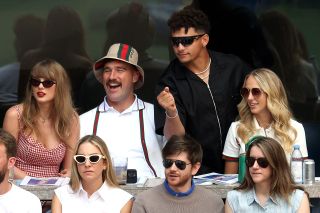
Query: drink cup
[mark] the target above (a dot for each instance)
(120, 165)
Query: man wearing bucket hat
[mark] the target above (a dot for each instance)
(122, 120)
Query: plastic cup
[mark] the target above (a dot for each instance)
(120, 165)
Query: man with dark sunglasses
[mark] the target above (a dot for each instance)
(199, 91)
(182, 157)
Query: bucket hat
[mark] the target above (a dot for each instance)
(121, 52)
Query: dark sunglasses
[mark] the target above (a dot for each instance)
(94, 158)
(262, 162)
(256, 92)
(45, 83)
(167, 163)
(184, 41)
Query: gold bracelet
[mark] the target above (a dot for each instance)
(170, 117)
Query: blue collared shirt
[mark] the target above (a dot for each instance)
(178, 194)
(247, 201)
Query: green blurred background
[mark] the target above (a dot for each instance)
(94, 13)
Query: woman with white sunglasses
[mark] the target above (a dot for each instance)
(93, 186)
(263, 111)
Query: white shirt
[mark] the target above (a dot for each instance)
(106, 200)
(234, 146)
(121, 133)
(18, 200)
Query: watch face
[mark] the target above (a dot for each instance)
(131, 176)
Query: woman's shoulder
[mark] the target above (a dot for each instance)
(234, 194)
(14, 110)
(116, 194)
(235, 124)
(234, 127)
(298, 193)
(65, 189)
(295, 123)
(116, 191)
(297, 197)
(237, 198)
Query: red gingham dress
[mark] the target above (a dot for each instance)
(34, 158)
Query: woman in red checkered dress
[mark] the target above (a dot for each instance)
(45, 125)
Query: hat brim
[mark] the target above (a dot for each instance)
(99, 65)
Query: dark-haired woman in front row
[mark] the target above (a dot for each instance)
(93, 186)
(268, 185)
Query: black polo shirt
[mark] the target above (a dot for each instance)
(206, 118)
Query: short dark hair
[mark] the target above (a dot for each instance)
(177, 144)
(9, 142)
(189, 17)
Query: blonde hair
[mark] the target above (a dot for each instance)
(282, 184)
(277, 104)
(62, 107)
(108, 174)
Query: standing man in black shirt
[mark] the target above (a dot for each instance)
(200, 89)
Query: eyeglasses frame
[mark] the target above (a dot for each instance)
(176, 41)
(87, 157)
(46, 83)
(183, 164)
(262, 162)
(248, 91)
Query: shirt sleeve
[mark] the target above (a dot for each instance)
(35, 205)
(120, 197)
(231, 147)
(58, 193)
(231, 199)
(296, 199)
(301, 139)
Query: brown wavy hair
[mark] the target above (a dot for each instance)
(108, 174)
(282, 184)
(62, 107)
(277, 105)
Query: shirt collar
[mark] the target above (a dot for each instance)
(79, 191)
(257, 126)
(178, 194)
(136, 105)
(251, 198)
(101, 192)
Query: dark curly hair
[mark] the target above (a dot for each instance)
(189, 17)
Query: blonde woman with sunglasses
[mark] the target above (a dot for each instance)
(268, 185)
(45, 125)
(263, 111)
(93, 186)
